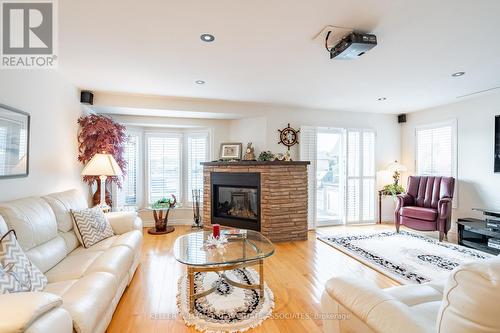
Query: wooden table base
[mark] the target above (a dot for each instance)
(154, 231)
(161, 221)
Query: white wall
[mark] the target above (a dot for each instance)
(257, 123)
(478, 185)
(54, 107)
(218, 128)
(263, 132)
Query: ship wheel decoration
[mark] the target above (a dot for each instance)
(288, 136)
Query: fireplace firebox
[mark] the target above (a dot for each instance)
(236, 199)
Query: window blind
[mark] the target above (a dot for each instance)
(197, 151)
(131, 155)
(164, 166)
(308, 152)
(360, 189)
(3, 149)
(435, 150)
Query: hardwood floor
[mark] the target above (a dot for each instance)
(296, 273)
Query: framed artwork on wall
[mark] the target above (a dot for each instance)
(230, 151)
(14, 142)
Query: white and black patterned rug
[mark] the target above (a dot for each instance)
(228, 309)
(406, 257)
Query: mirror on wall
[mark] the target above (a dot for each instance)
(14, 142)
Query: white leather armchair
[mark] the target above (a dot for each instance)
(466, 303)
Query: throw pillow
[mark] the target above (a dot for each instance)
(17, 272)
(9, 283)
(91, 225)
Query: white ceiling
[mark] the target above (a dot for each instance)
(265, 52)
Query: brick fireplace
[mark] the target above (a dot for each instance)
(270, 197)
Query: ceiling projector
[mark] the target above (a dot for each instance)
(352, 46)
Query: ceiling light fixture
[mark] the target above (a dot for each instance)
(207, 38)
(382, 98)
(457, 74)
(199, 82)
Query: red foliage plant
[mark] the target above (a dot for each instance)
(100, 134)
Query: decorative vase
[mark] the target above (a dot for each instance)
(96, 198)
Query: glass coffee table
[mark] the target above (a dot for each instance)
(244, 248)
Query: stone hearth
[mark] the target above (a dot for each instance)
(283, 196)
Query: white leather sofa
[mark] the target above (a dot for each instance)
(468, 302)
(84, 285)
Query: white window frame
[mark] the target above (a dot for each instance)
(184, 192)
(308, 151)
(187, 198)
(454, 146)
(140, 176)
(147, 136)
(361, 176)
(138, 167)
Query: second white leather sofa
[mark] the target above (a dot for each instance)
(467, 302)
(84, 285)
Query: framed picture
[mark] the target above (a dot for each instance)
(230, 151)
(14, 142)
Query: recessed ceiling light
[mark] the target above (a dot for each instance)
(207, 38)
(457, 74)
(199, 82)
(382, 98)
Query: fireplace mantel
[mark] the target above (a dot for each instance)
(283, 195)
(255, 163)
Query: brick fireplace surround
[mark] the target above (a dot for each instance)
(283, 196)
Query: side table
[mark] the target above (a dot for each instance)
(161, 221)
(382, 193)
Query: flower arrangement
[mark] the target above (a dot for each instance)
(216, 242)
(165, 203)
(266, 156)
(393, 189)
(100, 134)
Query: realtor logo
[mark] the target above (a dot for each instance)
(28, 34)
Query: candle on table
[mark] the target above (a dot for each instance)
(216, 230)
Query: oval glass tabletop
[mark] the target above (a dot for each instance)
(242, 246)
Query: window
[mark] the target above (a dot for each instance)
(173, 164)
(342, 175)
(436, 150)
(131, 155)
(164, 166)
(360, 189)
(3, 149)
(197, 152)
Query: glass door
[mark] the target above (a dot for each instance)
(330, 178)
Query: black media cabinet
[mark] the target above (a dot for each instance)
(475, 233)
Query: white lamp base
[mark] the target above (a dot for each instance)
(103, 204)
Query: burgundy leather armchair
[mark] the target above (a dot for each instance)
(426, 205)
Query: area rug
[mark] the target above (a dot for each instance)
(406, 257)
(228, 309)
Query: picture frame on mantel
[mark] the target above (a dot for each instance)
(14, 142)
(230, 151)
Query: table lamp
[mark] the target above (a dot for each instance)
(102, 165)
(396, 168)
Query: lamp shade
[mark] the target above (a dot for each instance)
(102, 165)
(396, 167)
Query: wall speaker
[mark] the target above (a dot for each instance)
(402, 118)
(86, 97)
